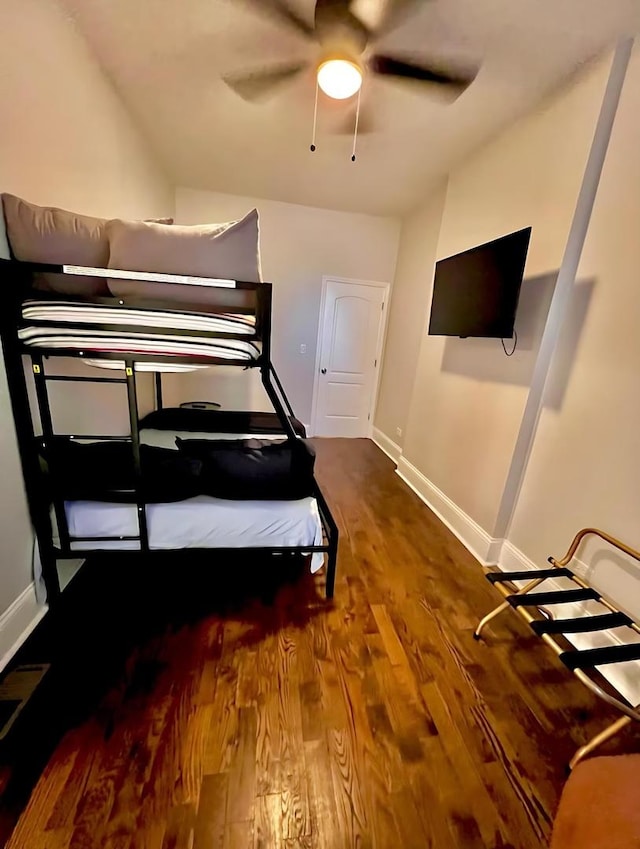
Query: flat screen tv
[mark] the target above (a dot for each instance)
(476, 293)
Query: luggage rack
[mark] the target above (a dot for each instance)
(582, 662)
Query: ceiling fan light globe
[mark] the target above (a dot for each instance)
(339, 78)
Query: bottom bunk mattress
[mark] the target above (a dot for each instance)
(200, 522)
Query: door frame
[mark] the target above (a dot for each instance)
(382, 337)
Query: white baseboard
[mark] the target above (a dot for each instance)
(511, 559)
(490, 550)
(17, 622)
(390, 448)
(484, 548)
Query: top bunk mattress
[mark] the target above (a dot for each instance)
(64, 313)
(100, 329)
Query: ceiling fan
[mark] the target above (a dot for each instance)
(346, 32)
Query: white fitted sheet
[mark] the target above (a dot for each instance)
(201, 522)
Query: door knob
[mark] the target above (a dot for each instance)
(323, 371)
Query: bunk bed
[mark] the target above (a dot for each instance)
(162, 499)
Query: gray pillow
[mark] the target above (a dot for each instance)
(230, 250)
(48, 234)
(51, 235)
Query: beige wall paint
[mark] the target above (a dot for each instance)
(409, 306)
(65, 137)
(583, 469)
(66, 140)
(299, 244)
(468, 399)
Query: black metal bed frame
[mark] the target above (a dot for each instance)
(16, 281)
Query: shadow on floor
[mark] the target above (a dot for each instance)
(102, 641)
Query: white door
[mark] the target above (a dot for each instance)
(350, 342)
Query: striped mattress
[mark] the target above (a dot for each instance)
(103, 328)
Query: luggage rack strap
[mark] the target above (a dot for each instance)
(589, 658)
(553, 597)
(580, 624)
(527, 575)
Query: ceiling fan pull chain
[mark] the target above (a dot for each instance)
(315, 121)
(355, 132)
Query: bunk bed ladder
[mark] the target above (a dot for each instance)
(46, 422)
(132, 400)
(41, 379)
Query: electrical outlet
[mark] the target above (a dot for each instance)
(398, 431)
(303, 348)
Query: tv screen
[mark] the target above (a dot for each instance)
(476, 293)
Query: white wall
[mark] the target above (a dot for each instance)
(300, 244)
(409, 305)
(65, 140)
(583, 469)
(468, 398)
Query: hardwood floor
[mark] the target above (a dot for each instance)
(254, 715)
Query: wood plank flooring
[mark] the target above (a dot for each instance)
(252, 713)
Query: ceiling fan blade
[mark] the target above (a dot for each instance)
(332, 16)
(383, 16)
(390, 67)
(260, 84)
(280, 11)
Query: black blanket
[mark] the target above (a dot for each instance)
(231, 469)
(252, 468)
(104, 471)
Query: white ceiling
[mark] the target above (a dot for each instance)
(165, 57)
